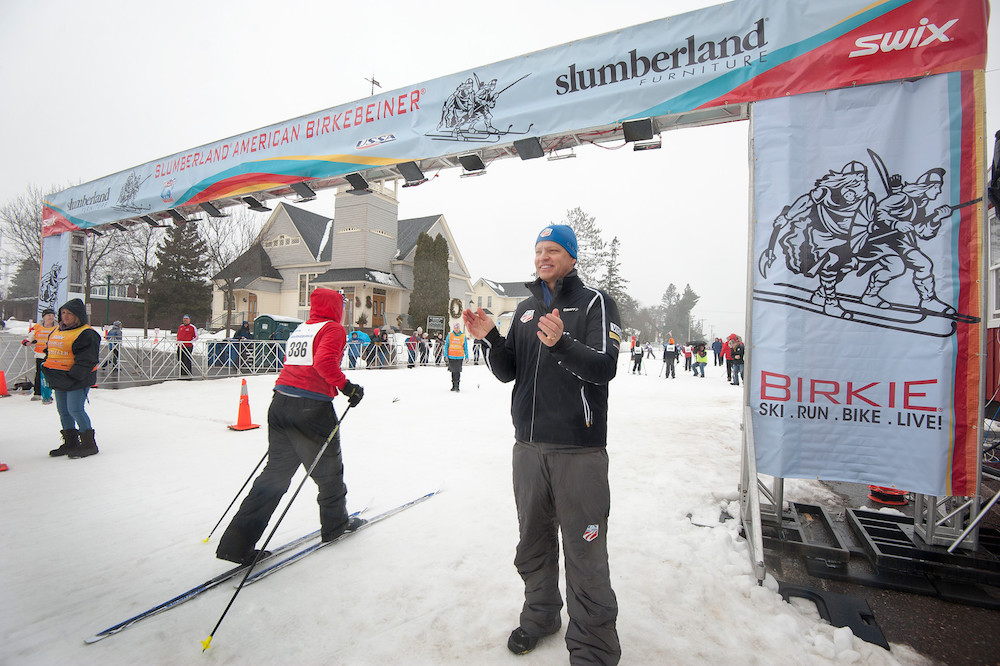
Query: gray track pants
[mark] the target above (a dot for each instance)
(558, 486)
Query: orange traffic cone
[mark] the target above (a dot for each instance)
(3, 386)
(243, 418)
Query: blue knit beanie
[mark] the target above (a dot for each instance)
(559, 233)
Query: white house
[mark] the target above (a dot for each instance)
(364, 251)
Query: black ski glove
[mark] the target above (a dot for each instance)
(353, 393)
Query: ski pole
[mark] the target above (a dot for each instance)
(238, 493)
(207, 643)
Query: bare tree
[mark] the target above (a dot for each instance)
(230, 241)
(136, 259)
(21, 219)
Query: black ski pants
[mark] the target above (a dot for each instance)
(297, 430)
(566, 487)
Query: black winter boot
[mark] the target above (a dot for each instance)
(88, 447)
(71, 440)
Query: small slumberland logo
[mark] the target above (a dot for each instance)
(95, 198)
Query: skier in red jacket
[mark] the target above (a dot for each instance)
(300, 421)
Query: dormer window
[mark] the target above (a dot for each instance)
(281, 241)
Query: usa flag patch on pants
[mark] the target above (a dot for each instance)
(590, 533)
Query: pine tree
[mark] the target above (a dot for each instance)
(592, 254)
(25, 284)
(441, 289)
(430, 291)
(614, 283)
(180, 281)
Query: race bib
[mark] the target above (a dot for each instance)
(302, 341)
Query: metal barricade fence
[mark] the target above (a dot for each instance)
(138, 361)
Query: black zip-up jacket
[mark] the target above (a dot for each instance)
(560, 393)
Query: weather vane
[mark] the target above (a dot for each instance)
(374, 83)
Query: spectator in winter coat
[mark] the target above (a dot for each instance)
(70, 368)
(561, 352)
(717, 351)
(186, 335)
(700, 361)
(244, 333)
(438, 348)
(727, 356)
(737, 348)
(300, 422)
(457, 350)
(353, 349)
(38, 336)
(411, 349)
(245, 347)
(114, 338)
(425, 347)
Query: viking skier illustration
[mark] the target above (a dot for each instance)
(840, 233)
(467, 114)
(48, 290)
(129, 191)
(817, 231)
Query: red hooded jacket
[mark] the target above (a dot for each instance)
(323, 377)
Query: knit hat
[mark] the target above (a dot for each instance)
(559, 233)
(48, 311)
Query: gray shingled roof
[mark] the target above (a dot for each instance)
(410, 230)
(311, 228)
(508, 289)
(252, 264)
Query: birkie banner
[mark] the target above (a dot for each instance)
(868, 209)
(732, 53)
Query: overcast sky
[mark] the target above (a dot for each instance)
(92, 88)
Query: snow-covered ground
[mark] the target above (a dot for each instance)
(87, 543)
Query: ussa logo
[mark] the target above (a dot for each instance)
(927, 33)
(374, 141)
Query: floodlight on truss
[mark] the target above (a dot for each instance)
(472, 164)
(529, 149)
(359, 185)
(638, 130)
(255, 205)
(210, 208)
(412, 174)
(304, 191)
(647, 145)
(179, 218)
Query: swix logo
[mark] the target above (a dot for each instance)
(374, 141)
(923, 35)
